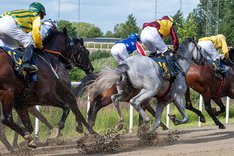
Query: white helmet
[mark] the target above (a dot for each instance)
(51, 23)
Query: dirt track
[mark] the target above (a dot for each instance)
(192, 142)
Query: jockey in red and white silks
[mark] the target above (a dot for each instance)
(121, 50)
(153, 33)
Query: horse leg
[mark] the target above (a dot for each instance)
(79, 117)
(38, 115)
(24, 116)
(211, 113)
(150, 109)
(95, 106)
(137, 100)
(158, 115)
(56, 131)
(16, 135)
(7, 119)
(116, 98)
(222, 107)
(4, 140)
(178, 101)
(189, 106)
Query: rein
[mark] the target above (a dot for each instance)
(57, 53)
(52, 52)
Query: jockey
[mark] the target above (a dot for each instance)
(211, 45)
(152, 37)
(14, 28)
(121, 50)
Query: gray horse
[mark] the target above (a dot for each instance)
(145, 75)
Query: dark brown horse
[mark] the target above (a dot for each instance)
(211, 86)
(50, 89)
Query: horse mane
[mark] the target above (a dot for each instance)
(48, 38)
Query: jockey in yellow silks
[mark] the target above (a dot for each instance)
(211, 45)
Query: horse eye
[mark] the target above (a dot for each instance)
(72, 44)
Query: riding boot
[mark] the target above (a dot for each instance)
(153, 54)
(170, 64)
(26, 59)
(219, 67)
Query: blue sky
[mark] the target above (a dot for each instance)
(106, 13)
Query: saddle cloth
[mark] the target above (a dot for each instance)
(164, 67)
(16, 55)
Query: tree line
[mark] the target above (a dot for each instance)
(219, 14)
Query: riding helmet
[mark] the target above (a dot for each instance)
(37, 7)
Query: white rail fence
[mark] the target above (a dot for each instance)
(75, 84)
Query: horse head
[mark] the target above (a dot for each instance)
(80, 56)
(190, 50)
(71, 51)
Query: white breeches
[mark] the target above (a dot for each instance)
(119, 52)
(152, 40)
(209, 48)
(11, 34)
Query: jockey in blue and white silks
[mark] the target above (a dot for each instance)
(122, 49)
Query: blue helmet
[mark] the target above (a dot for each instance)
(134, 36)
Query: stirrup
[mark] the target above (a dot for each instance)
(29, 68)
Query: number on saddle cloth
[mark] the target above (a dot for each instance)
(16, 58)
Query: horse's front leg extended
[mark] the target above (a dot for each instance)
(56, 131)
(209, 110)
(178, 101)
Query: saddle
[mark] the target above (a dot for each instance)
(164, 67)
(16, 58)
(223, 63)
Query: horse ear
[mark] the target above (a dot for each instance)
(65, 30)
(82, 41)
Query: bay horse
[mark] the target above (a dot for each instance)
(204, 80)
(49, 89)
(145, 75)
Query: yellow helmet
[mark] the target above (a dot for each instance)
(221, 36)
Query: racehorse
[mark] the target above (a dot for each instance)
(49, 89)
(204, 80)
(104, 99)
(144, 74)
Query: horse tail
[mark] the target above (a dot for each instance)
(88, 79)
(107, 78)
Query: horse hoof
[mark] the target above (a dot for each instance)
(54, 133)
(222, 127)
(119, 127)
(172, 117)
(79, 129)
(202, 119)
(32, 144)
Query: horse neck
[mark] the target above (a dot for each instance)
(184, 63)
